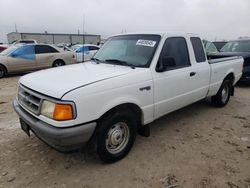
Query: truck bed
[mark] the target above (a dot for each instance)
(214, 59)
(221, 67)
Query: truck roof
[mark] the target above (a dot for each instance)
(161, 33)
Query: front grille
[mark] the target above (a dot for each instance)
(29, 99)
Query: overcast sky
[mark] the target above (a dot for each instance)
(212, 19)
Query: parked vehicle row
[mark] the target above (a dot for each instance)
(210, 48)
(237, 48)
(219, 44)
(131, 81)
(29, 57)
(84, 52)
(26, 41)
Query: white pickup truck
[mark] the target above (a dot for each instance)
(131, 81)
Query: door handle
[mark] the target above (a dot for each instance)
(147, 88)
(192, 74)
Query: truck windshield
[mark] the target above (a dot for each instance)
(129, 50)
(237, 46)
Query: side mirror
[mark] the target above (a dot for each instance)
(165, 62)
(13, 55)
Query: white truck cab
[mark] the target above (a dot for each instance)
(130, 82)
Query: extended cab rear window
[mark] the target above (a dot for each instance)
(198, 49)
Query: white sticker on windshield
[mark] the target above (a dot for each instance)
(149, 43)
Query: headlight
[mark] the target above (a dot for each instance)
(48, 109)
(59, 112)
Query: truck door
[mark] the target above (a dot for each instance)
(45, 55)
(22, 59)
(175, 86)
(201, 80)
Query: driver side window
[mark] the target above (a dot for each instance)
(175, 48)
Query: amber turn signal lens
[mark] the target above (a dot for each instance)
(63, 112)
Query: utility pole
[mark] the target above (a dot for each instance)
(83, 37)
(16, 28)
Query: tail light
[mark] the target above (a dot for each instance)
(73, 56)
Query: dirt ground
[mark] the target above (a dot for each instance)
(198, 146)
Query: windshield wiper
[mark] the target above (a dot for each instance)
(120, 62)
(96, 60)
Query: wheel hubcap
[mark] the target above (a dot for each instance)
(225, 93)
(58, 64)
(117, 137)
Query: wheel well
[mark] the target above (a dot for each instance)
(126, 106)
(230, 77)
(5, 68)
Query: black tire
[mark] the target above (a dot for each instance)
(109, 131)
(223, 95)
(58, 63)
(2, 71)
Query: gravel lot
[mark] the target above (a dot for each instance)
(198, 146)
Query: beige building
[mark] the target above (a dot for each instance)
(55, 38)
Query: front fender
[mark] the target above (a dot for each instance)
(92, 106)
(119, 101)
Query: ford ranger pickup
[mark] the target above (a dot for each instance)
(130, 82)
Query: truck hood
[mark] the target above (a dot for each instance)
(55, 82)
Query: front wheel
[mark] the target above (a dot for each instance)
(58, 63)
(223, 95)
(115, 136)
(2, 71)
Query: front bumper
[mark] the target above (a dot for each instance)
(62, 139)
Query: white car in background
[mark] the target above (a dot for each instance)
(84, 52)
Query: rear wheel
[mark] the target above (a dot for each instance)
(2, 71)
(115, 136)
(223, 95)
(58, 63)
